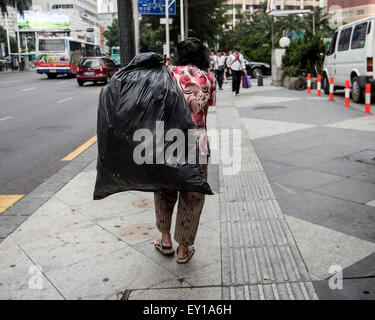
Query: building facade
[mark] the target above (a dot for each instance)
(353, 10)
(246, 8)
(83, 14)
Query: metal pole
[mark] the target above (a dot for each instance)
(314, 23)
(18, 37)
(167, 27)
(182, 20)
(8, 40)
(136, 26)
(234, 15)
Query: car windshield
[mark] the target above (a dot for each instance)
(91, 63)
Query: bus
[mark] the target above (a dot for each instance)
(61, 55)
(115, 54)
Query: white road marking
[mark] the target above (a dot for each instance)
(286, 189)
(64, 100)
(6, 118)
(28, 89)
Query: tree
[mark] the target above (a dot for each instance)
(126, 25)
(21, 5)
(255, 37)
(112, 35)
(151, 39)
(205, 21)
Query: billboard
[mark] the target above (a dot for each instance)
(40, 21)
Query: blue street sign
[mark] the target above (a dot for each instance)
(156, 7)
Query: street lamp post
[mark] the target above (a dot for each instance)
(182, 25)
(8, 40)
(167, 27)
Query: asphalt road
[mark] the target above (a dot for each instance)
(41, 121)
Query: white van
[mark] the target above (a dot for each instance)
(351, 56)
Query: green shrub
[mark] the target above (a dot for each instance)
(303, 54)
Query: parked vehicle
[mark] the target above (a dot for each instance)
(96, 69)
(255, 69)
(61, 55)
(350, 57)
(115, 54)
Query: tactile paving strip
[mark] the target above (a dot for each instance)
(260, 259)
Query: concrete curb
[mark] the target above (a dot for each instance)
(13, 217)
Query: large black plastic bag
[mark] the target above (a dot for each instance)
(136, 98)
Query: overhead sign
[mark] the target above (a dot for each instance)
(156, 7)
(43, 21)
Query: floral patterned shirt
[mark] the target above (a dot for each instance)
(199, 90)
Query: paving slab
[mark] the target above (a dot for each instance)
(343, 167)
(17, 277)
(178, 294)
(353, 289)
(364, 268)
(349, 189)
(335, 248)
(306, 178)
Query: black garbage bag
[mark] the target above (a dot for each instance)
(138, 109)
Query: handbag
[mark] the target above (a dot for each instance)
(246, 82)
(222, 67)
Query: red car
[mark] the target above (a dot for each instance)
(96, 69)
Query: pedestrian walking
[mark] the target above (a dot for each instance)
(22, 66)
(211, 67)
(199, 90)
(237, 65)
(220, 66)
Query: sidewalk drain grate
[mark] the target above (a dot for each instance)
(270, 107)
(124, 295)
(143, 203)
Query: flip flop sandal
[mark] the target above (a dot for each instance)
(187, 257)
(167, 251)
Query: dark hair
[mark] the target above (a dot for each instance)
(192, 51)
(237, 49)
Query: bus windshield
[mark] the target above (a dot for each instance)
(115, 51)
(52, 45)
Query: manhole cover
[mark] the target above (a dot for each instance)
(143, 203)
(140, 231)
(270, 107)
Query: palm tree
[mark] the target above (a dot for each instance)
(126, 25)
(21, 5)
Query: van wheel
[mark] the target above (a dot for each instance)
(325, 84)
(357, 91)
(80, 83)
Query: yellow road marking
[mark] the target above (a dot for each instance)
(7, 200)
(94, 91)
(15, 81)
(80, 149)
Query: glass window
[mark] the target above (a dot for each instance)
(109, 63)
(359, 36)
(51, 45)
(344, 39)
(332, 46)
(90, 63)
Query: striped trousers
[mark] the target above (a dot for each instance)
(190, 206)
